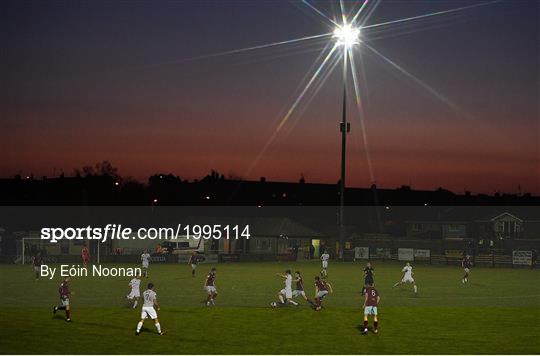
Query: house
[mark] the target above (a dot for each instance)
(478, 223)
(506, 225)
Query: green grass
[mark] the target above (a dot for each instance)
(498, 312)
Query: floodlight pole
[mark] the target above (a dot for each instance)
(344, 127)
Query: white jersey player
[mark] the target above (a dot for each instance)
(324, 259)
(145, 259)
(135, 292)
(148, 310)
(286, 294)
(407, 277)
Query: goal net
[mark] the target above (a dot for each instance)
(30, 246)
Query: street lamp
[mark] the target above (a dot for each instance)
(346, 37)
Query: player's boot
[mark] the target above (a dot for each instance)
(162, 333)
(365, 331)
(376, 331)
(137, 333)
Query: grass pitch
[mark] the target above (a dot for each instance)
(497, 312)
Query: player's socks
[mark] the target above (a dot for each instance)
(54, 309)
(68, 315)
(365, 328)
(281, 299)
(395, 285)
(135, 304)
(415, 289)
(293, 302)
(139, 326)
(375, 325)
(158, 327)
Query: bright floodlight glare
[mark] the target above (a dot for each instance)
(347, 35)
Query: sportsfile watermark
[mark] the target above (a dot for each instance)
(121, 232)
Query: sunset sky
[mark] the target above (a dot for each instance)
(86, 81)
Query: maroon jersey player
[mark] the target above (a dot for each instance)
(322, 288)
(210, 287)
(371, 302)
(37, 261)
(193, 261)
(299, 290)
(85, 254)
(65, 294)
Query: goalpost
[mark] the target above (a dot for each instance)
(40, 243)
(23, 250)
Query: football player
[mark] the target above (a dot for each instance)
(466, 263)
(210, 287)
(193, 261)
(371, 301)
(37, 261)
(299, 291)
(407, 277)
(368, 276)
(148, 310)
(135, 292)
(145, 259)
(324, 261)
(85, 254)
(287, 291)
(322, 288)
(65, 294)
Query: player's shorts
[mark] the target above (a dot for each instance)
(211, 289)
(145, 264)
(134, 294)
(324, 264)
(298, 292)
(148, 312)
(64, 302)
(287, 292)
(193, 266)
(370, 310)
(467, 270)
(321, 294)
(407, 279)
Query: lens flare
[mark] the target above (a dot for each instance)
(347, 35)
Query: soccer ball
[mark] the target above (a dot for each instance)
(273, 304)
